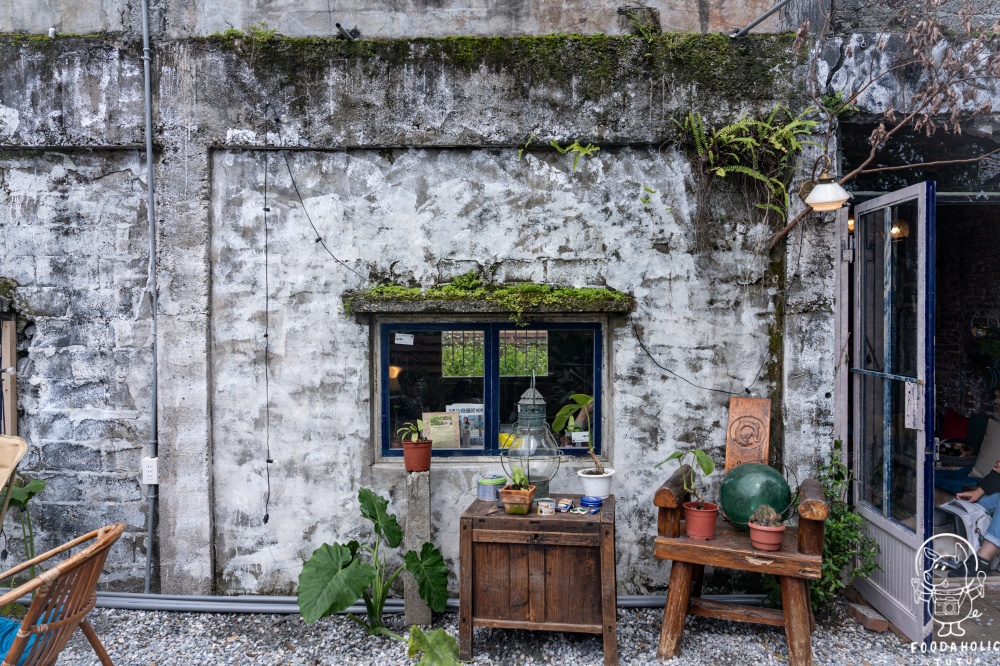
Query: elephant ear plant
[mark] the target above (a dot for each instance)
(337, 575)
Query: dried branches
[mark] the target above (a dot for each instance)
(927, 79)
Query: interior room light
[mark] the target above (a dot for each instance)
(394, 371)
(850, 223)
(899, 230)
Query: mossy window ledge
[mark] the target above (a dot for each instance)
(518, 301)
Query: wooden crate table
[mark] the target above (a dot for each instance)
(551, 573)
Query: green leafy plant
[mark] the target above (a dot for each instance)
(518, 479)
(565, 421)
(520, 151)
(577, 150)
(22, 489)
(337, 575)
(847, 550)
(702, 461)
(412, 431)
(762, 151)
(765, 516)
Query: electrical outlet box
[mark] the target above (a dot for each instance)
(149, 472)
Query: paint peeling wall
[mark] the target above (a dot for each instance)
(434, 213)
(451, 173)
(73, 233)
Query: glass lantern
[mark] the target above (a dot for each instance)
(533, 447)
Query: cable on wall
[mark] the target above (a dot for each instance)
(267, 345)
(746, 389)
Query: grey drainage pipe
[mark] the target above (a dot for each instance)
(288, 605)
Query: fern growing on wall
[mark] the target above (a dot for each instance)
(761, 152)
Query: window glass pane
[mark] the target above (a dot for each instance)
(437, 376)
(872, 239)
(563, 362)
(903, 293)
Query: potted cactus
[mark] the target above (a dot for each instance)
(518, 494)
(416, 449)
(766, 528)
(699, 517)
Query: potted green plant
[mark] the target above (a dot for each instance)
(416, 449)
(699, 517)
(596, 480)
(518, 494)
(766, 528)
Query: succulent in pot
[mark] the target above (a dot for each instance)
(766, 528)
(699, 517)
(416, 448)
(518, 494)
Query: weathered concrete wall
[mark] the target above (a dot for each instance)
(414, 127)
(417, 210)
(387, 18)
(73, 233)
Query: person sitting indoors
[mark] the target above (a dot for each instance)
(987, 494)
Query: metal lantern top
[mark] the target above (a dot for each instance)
(531, 409)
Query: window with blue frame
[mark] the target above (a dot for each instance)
(464, 380)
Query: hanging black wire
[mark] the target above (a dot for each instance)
(638, 338)
(267, 345)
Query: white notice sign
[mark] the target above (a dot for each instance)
(404, 339)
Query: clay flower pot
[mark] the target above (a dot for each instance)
(700, 523)
(417, 455)
(517, 502)
(766, 538)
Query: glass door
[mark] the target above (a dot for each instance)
(892, 374)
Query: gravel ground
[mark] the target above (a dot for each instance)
(138, 638)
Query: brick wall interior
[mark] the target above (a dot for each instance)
(968, 282)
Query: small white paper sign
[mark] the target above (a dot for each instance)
(581, 437)
(404, 339)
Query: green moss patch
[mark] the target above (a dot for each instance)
(466, 294)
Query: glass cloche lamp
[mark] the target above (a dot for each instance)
(533, 447)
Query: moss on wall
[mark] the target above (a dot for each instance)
(517, 299)
(597, 65)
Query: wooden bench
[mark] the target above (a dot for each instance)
(799, 561)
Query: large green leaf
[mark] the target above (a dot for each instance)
(332, 579)
(19, 495)
(373, 507)
(431, 574)
(439, 648)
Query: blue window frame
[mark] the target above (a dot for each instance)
(477, 371)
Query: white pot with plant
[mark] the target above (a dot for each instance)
(596, 480)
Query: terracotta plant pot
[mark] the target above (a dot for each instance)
(700, 523)
(517, 502)
(417, 455)
(766, 538)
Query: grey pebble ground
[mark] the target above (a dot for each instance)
(141, 638)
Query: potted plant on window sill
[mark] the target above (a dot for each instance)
(416, 449)
(766, 528)
(699, 517)
(518, 494)
(596, 480)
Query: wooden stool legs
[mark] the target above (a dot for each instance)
(798, 620)
(678, 595)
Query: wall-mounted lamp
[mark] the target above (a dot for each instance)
(824, 194)
(899, 230)
(850, 223)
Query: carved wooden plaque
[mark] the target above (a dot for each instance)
(749, 431)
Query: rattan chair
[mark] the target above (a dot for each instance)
(64, 594)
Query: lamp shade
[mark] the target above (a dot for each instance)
(827, 194)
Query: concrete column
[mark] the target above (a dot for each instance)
(416, 533)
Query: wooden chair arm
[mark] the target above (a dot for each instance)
(812, 501)
(671, 494)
